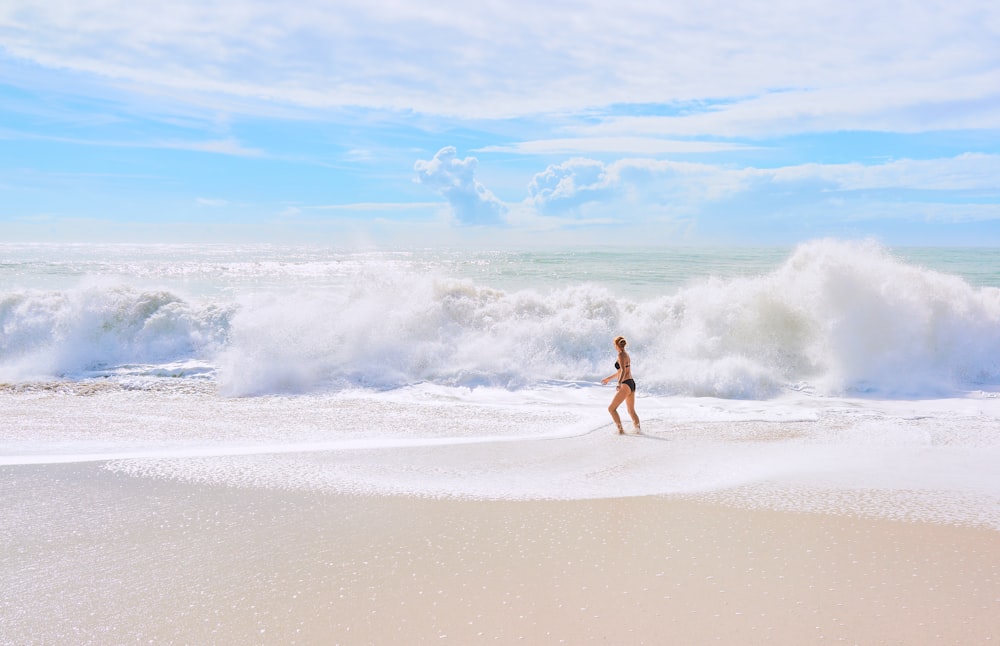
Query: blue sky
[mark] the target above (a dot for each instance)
(500, 123)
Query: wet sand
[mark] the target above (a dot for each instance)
(91, 556)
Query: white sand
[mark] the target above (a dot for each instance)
(90, 556)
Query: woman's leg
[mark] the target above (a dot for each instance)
(630, 404)
(620, 396)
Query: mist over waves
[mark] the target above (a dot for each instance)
(833, 317)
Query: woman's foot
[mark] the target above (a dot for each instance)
(621, 431)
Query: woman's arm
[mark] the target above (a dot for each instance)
(610, 377)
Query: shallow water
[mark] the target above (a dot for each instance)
(837, 376)
(930, 460)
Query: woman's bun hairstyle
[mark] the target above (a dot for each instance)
(620, 342)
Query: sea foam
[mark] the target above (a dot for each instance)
(839, 317)
(835, 318)
(90, 329)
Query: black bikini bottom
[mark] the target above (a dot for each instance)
(630, 383)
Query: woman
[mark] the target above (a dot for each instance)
(626, 387)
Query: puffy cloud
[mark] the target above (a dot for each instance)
(567, 185)
(579, 183)
(454, 178)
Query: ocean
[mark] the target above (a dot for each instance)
(836, 376)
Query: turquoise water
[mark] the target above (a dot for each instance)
(646, 272)
(980, 266)
(643, 271)
(635, 272)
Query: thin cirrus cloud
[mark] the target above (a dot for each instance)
(965, 103)
(211, 202)
(967, 172)
(619, 145)
(228, 146)
(578, 112)
(786, 62)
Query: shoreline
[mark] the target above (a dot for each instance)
(91, 556)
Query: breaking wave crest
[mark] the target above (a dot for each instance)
(835, 317)
(96, 330)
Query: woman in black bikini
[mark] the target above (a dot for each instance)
(626, 394)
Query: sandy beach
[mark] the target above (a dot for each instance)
(95, 557)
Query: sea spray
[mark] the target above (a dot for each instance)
(839, 317)
(836, 317)
(406, 329)
(833, 317)
(77, 332)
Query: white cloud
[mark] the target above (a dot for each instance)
(965, 102)
(567, 185)
(375, 206)
(621, 145)
(228, 146)
(471, 202)
(212, 202)
(359, 155)
(579, 181)
(962, 173)
(783, 66)
(220, 146)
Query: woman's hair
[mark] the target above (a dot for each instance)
(620, 342)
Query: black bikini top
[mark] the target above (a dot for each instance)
(617, 367)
